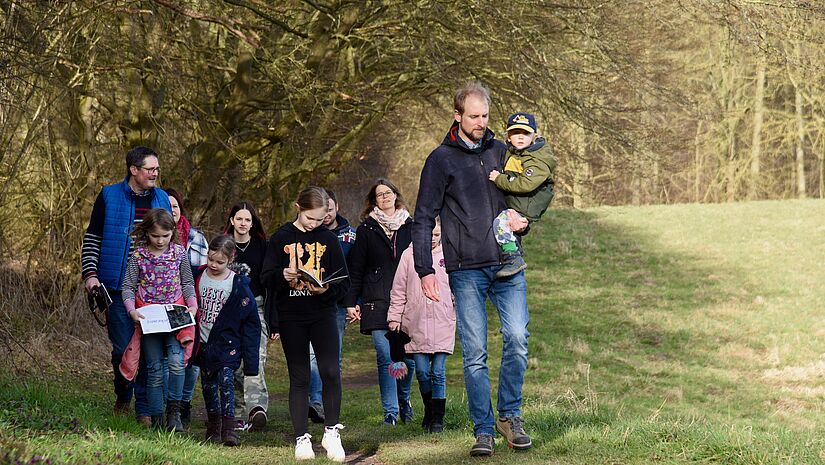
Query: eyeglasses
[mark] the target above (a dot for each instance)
(383, 195)
(155, 170)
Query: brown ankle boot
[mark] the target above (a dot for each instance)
(213, 427)
(228, 434)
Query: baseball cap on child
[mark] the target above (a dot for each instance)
(524, 121)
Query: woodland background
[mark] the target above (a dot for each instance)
(643, 102)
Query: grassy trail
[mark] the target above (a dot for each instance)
(667, 334)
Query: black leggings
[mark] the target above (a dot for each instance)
(295, 339)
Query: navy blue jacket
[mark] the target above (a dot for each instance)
(236, 332)
(455, 184)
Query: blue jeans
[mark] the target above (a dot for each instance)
(189, 379)
(431, 374)
(153, 347)
(392, 390)
(314, 375)
(509, 295)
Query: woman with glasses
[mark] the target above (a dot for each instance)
(384, 233)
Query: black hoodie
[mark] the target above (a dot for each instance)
(317, 250)
(455, 184)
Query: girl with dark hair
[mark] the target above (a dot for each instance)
(307, 314)
(228, 333)
(385, 232)
(245, 227)
(158, 272)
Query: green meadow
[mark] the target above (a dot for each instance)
(663, 334)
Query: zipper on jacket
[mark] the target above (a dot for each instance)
(490, 198)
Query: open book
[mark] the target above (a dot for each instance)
(306, 275)
(164, 318)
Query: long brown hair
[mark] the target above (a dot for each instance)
(155, 217)
(370, 202)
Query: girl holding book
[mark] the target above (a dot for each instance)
(307, 314)
(158, 272)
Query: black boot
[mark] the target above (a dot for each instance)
(437, 425)
(213, 427)
(427, 399)
(185, 413)
(229, 436)
(173, 422)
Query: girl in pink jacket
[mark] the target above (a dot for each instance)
(431, 327)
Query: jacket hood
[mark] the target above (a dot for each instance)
(452, 139)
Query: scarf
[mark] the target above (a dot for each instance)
(183, 231)
(390, 224)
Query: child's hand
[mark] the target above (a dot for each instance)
(291, 275)
(317, 289)
(493, 175)
(136, 316)
(193, 311)
(394, 326)
(275, 336)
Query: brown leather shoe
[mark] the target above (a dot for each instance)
(144, 420)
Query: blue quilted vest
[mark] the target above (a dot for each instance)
(117, 225)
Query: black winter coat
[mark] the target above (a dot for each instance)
(372, 263)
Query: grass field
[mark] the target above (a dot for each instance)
(667, 334)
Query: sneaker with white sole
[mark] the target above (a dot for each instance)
(303, 448)
(332, 443)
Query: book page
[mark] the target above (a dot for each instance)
(155, 319)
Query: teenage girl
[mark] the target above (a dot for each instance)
(431, 327)
(228, 332)
(158, 272)
(251, 395)
(308, 313)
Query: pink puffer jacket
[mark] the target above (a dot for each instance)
(430, 325)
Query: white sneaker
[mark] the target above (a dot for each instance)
(303, 448)
(332, 443)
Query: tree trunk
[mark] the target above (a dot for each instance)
(756, 140)
(800, 130)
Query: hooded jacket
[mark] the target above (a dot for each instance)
(527, 179)
(373, 260)
(430, 325)
(318, 252)
(454, 184)
(236, 333)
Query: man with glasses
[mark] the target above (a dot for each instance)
(454, 184)
(106, 249)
